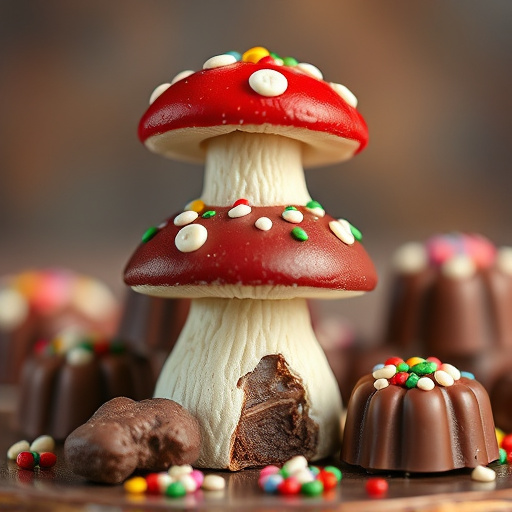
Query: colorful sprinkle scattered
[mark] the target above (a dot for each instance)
(299, 234)
(197, 206)
(357, 234)
(149, 234)
(377, 487)
(503, 456)
(241, 201)
(209, 214)
(255, 54)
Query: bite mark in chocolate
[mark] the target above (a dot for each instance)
(274, 424)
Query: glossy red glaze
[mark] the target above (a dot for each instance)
(222, 98)
(236, 252)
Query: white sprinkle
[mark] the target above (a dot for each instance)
(240, 210)
(310, 70)
(219, 61)
(185, 218)
(263, 223)
(483, 474)
(295, 464)
(425, 384)
(411, 258)
(460, 266)
(164, 479)
(443, 378)
(319, 212)
(158, 92)
(188, 482)
(380, 384)
(385, 373)
(341, 231)
(79, 356)
(450, 370)
(293, 216)
(504, 260)
(181, 76)
(378, 366)
(191, 238)
(178, 471)
(43, 444)
(213, 483)
(13, 309)
(303, 476)
(268, 82)
(345, 93)
(17, 448)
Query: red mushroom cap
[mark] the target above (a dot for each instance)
(221, 100)
(239, 260)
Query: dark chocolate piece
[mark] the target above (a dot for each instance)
(274, 424)
(124, 436)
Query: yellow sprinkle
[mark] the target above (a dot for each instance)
(414, 360)
(499, 435)
(136, 485)
(255, 54)
(196, 206)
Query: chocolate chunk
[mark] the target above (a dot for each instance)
(123, 436)
(274, 424)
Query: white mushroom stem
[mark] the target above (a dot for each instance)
(263, 168)
(225, 339)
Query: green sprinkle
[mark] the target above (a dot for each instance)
(208, 214)
(275, 56)
(299, 234)
(424, 368)
(402, 367)
(314, 469)
(175, 490)
(314, 204)
(290, 208)
(87, 345)
(284, 472)
(357, 234)
(412, 381)
(335, 471)
(36, 458)
(314, 488)
(503, 456)
(116, 347)
(289, 61)
(149, 234)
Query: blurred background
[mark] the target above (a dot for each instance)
(77, 189)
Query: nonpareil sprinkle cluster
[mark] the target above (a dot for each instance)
(296, 477)
(416, 372)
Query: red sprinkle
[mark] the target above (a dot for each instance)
(101, 347)
(268, 59)
(47, 459)
(328, 479)
(434, 360)
(25, 460)
(289, 486)
(377, 487)
(506, 443)
(241, 201)
(394, 360)
(399, 379)
(153, 485)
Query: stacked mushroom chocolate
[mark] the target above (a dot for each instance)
(250, 251)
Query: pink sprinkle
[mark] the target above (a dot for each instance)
(269, 470)
(198, 477)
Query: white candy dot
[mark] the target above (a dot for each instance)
(13, 309)
(504, 260)
(385, 373)
(380, 384)
(460, 266)
(345, 93)
(188, 482)
(164, 479)
(310, 70)
(78, 356)
(443, 378)
(219, 61)
(185, 218)
(293, 216)
(268, 82)
(483, 474)
(178, 471)
(303, 476)
(410, 258)
(263, 223)
(16, 449)
(158, 92)
(296, 464)
(240, 210)
(342, 231)
(450, 370)
(319, 212)
(213, 483)
(181, 76)
(42, 444)
(191, 237)
(425, 384)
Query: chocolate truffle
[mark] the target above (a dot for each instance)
(427, 418)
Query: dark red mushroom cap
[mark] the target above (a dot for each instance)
(261, 97)
(240, 257)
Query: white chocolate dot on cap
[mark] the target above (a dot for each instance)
(268, 82)
(293, 216)
(263, 223)
(460, 266)
(345, 93)
(410, 258)
(13, 308)
(191, 237)
(240, 210)
(310, 70)
(504, 260)
(158, 92)
(182, 75)
(185, 218)
(218, 61)
(342, 231)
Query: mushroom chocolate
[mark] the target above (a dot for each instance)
(250, 251)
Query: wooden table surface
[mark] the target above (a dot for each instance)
(60, 490)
